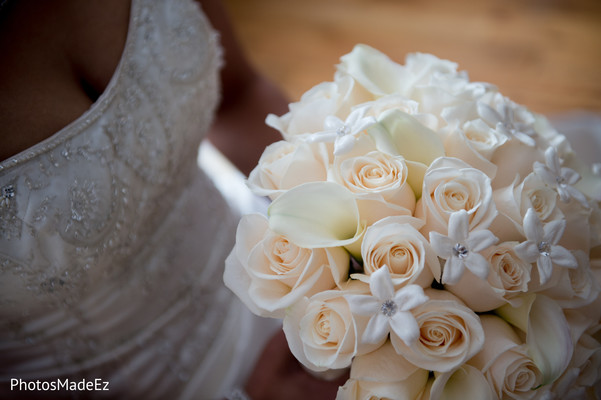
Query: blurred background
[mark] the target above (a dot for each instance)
(544, 54)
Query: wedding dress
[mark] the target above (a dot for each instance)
(112, 240)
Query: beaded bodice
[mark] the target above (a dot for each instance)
(110, 236)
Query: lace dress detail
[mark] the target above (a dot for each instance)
(112, 240)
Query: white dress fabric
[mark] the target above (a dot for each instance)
(112, 240)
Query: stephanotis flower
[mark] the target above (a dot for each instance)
(389, 310)
(460, 248)
(560, 178)
(541, 245)
(342, 133)
(506, 123)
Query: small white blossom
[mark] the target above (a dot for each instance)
(560, 178)
(343, 133)
(542, 247)
(506, 123)
(389, 310)
(460, 248)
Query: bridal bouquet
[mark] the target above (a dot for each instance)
(429, 234)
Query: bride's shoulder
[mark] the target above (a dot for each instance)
(57, 58)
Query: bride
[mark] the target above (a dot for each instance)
(112, 240)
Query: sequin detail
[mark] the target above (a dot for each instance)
(388, 308)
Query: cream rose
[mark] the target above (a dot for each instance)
(322, 332)
(508, 277)
(377, 179)
(425, 73)
(505, 362)
(514, 200)
(284, 165)
(450, 333)
(582, 378)
(575, 287)
(269, 273)
(451, 185)
(325, 99)
(396, 243)
(474, 143)
(382, 374)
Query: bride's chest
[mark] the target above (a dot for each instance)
(96, 190)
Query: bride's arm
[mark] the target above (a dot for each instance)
(239, 130)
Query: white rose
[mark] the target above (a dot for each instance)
(582, 378)
(579, 233)
(396, 243)
(325, 99)
(450, 333)
(509, 274)
(426, 72)
(508, 277)
(378, 181)
(451, 185)
(400, 103)
(322, 332)
(505, 362)
(514, 159)
(474, 143)
(514, 200)
(575, 287)
(284, 165)
(383, 374)
(269, 273)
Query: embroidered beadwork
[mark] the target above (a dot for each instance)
(121, 240)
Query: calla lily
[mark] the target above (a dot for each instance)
(465, 382)
(317, 214)
(374, 70)
(401, 134)
(547, 333)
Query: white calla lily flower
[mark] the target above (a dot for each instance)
(317, 214)
(548, 335)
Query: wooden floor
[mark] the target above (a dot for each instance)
(545, 54)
